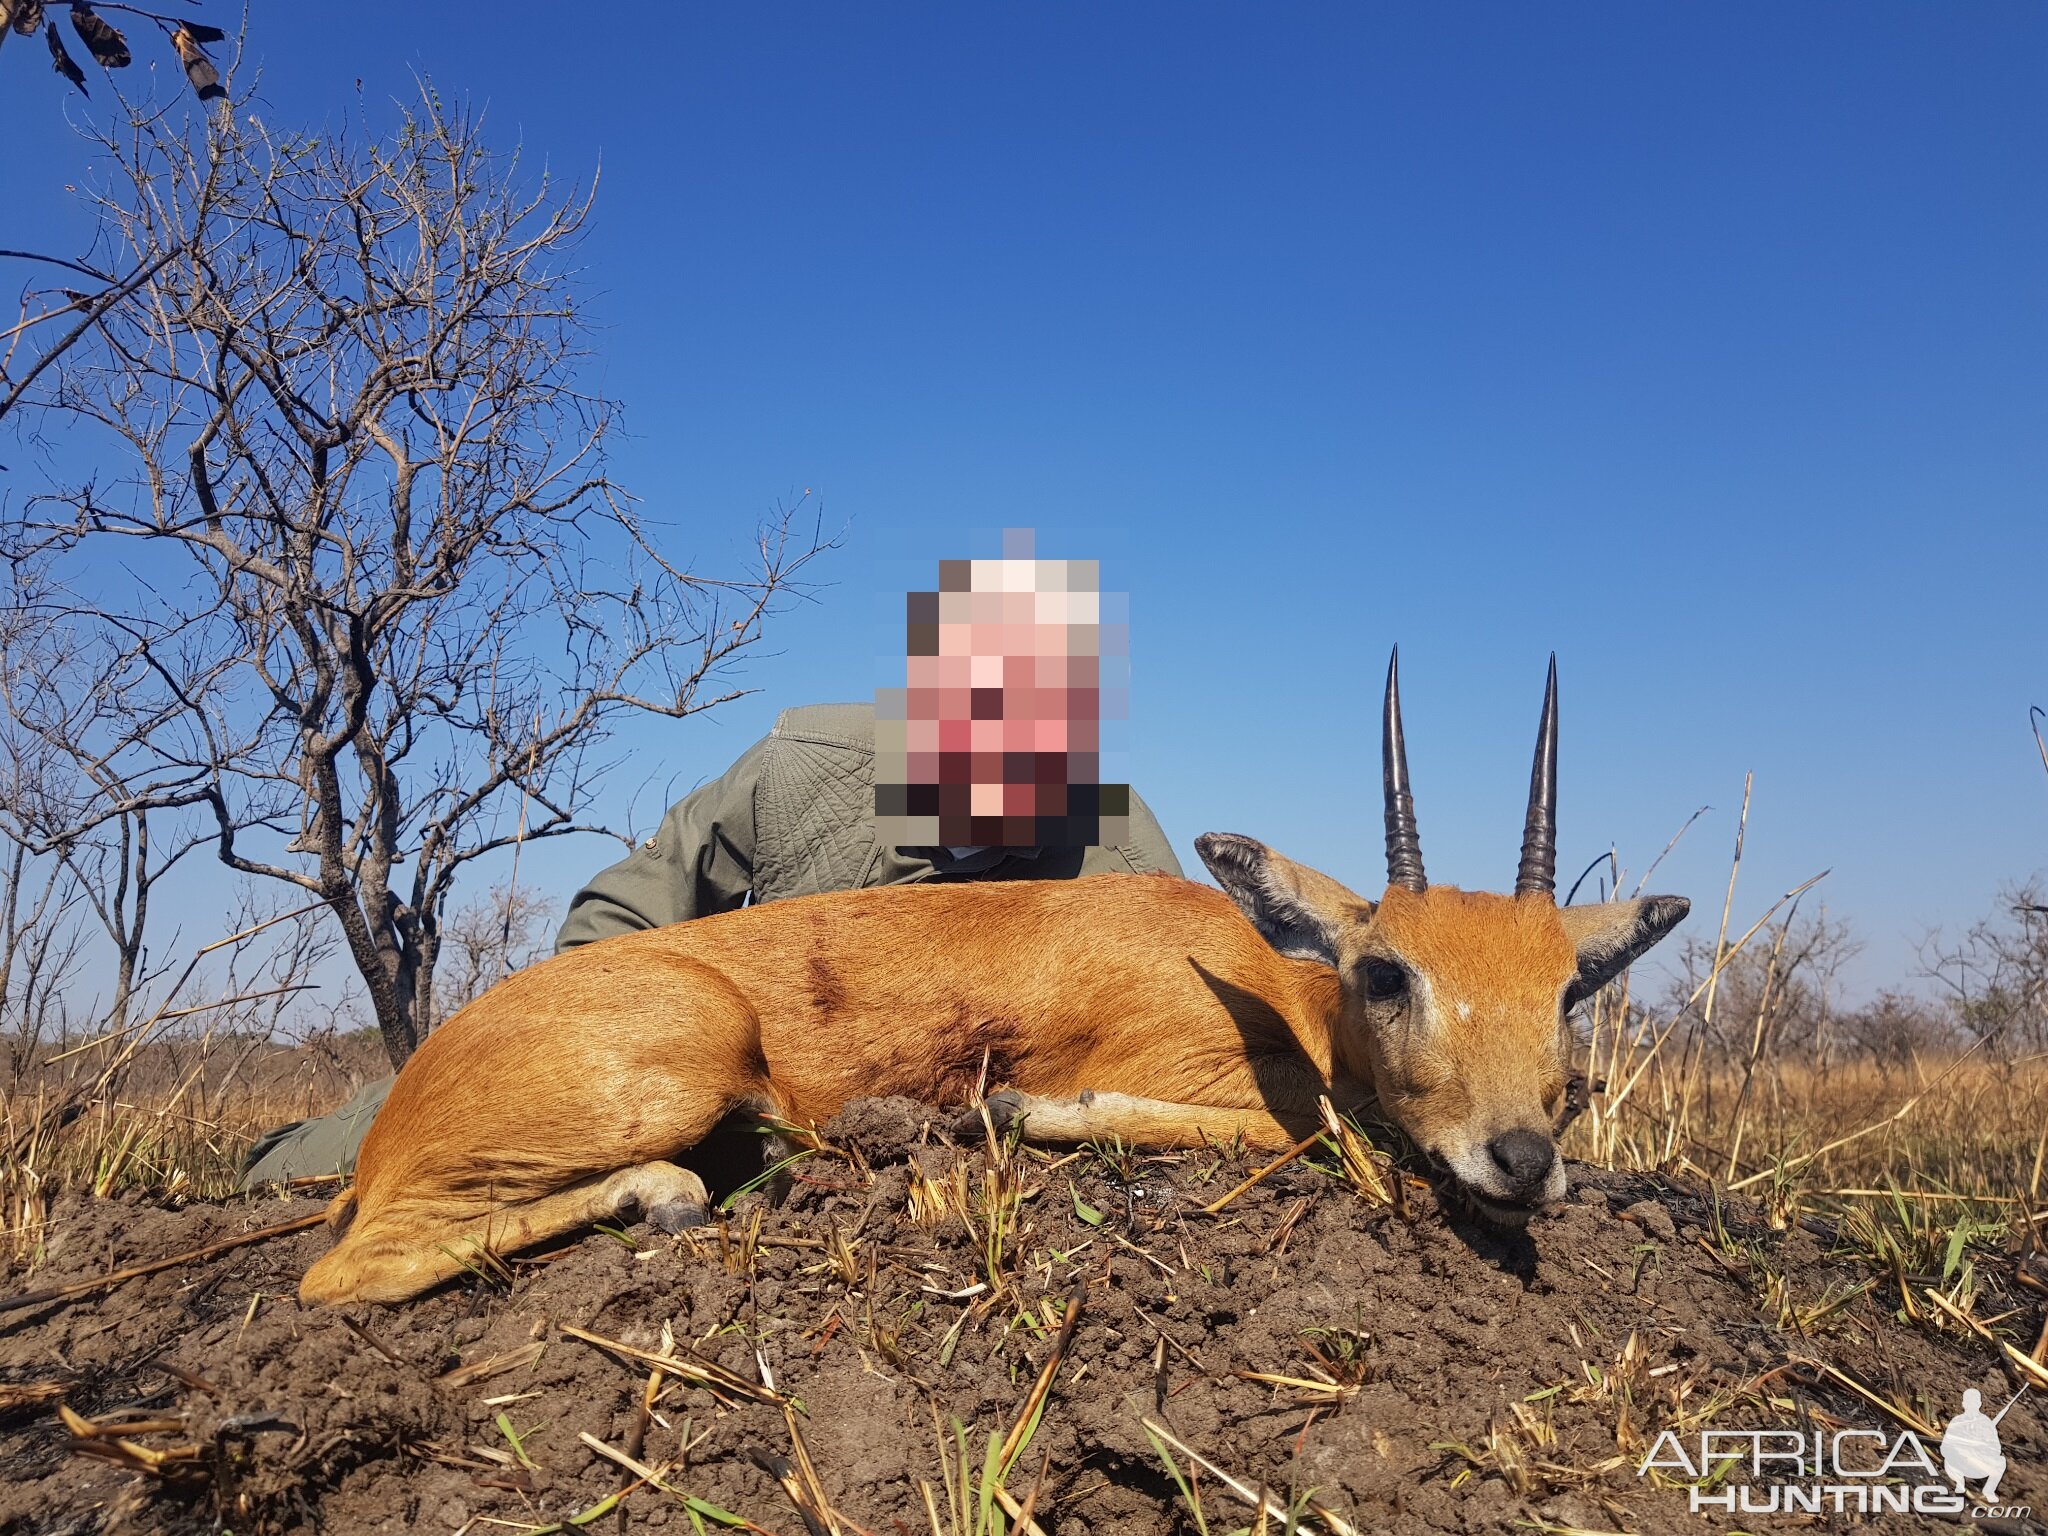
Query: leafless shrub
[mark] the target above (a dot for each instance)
(1893, 1028)
(39, 897)
(97, 784)
(1995, 976)
(488, 939)
(39, 948)
(1781, 989)
(356, 581)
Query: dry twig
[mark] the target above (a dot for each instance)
(1266, 1172)
(1258, 1499)
(703, 1373)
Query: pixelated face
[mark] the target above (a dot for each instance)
(996, 741)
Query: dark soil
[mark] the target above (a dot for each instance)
(1483, 1382)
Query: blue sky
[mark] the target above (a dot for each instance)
(1702, 344)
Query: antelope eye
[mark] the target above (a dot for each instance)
(1384, 980)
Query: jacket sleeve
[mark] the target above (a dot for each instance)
(700, 861)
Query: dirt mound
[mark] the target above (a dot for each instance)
(1405, 1368)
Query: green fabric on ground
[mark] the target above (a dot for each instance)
(309, 1148)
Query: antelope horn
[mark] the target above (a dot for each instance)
(1404, 847)
(1538, 872)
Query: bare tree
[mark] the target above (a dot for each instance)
(1893, 1028)
(1777, 994)
(39, 947)
(39, 897)
(68, 704)
(363, 570)
(488, 939)
(1995, 977)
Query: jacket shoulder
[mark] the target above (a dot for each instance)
(836, 725)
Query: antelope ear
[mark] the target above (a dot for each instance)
(1297, 910)
(1609, 937)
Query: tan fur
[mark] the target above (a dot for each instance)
(561, 1095)
(630, 1050)
(1499, 1060)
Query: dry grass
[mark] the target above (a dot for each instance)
(1965, 1134)
(176, 1118)
(1960, 1135)
(1951, 1127)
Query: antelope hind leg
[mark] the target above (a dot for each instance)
(397, 1254)
(1139, 1122)
(670, 1197)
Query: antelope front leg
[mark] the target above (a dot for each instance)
(1138, 1122)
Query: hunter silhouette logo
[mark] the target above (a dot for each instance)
(1848, 1471)
(1969, 1446)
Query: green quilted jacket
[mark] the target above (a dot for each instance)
(795, 816)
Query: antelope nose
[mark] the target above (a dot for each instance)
(1524, 1159)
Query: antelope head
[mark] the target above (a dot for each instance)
(1455, 1003)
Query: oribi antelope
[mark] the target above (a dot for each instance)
(1138, 1006)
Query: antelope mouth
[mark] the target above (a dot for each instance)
(1509, 1212)
(1502, 1213)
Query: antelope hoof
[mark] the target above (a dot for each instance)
(1006, 1111)
(673, 1216)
